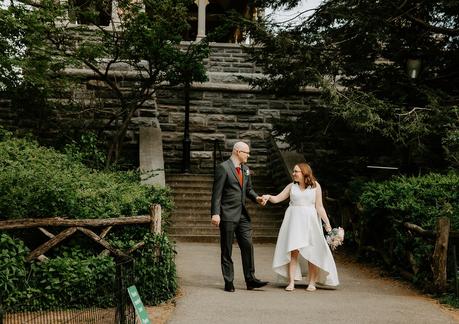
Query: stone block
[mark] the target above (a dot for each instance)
(210, 110)
(269, 113)
(278, 104)
(250, 118)
(220, 118)
(207, 138)
(201, 155)
(145, 121)
(246, 70)
(212, 94)
(197, 120)
(232, 70)
(240, 126)
(252, 135)
(169, 127)
(261, 126)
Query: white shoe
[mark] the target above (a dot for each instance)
(311, 287)
(290, 287)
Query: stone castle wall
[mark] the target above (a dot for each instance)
(224, 108)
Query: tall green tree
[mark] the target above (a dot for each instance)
(357, 53)
(43, 49)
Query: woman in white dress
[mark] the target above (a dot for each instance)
(301, 248)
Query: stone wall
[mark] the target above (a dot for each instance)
(224, 108)
(224, 114)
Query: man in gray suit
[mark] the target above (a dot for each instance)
(231, 187)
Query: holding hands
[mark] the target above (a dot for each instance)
(262, 200)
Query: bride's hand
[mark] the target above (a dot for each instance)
(328, 228)
(266, 198)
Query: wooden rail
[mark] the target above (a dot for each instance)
(74, 225)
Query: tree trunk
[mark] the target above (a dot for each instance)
(440, 254)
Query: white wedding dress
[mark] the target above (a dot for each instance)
(301, 230)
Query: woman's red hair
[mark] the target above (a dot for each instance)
(309, 179)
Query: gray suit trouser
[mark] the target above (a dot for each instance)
(243, 231)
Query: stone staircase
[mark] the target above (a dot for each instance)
(190, 220)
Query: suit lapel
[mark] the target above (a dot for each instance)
(233, 169)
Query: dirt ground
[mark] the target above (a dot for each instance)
(160, 314)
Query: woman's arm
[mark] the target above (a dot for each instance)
(284, 194)
(320, 208)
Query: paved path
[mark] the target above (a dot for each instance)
(363, 296)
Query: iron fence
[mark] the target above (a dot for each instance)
(122, 313)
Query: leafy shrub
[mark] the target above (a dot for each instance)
(40, 182)
(418, 200)
(37, 182)
(155, 263)
(13, 272)
(76, 280)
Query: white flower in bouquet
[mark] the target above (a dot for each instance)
(335, 237)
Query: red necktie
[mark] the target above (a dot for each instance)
(239, 175)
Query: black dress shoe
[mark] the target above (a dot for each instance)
(229, 287)
(252, 284)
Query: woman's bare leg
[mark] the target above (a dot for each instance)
(313, 272)
(292, 269)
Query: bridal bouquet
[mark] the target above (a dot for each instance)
(335, 237)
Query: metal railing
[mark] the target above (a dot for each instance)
(122, 313)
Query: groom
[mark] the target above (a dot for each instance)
(231, 186)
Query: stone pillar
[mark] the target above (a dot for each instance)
(201, 18)
(151, 156)
(65, 18)
(115, 14)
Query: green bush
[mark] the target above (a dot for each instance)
(76, 280)
(153, 265)
(37, 182)
(40, 182)
(418, 200)
(13, 270)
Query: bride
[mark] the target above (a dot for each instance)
(301, 248)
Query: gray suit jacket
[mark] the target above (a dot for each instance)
(228, 198)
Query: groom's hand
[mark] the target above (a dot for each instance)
(261, 201)
(215, 220)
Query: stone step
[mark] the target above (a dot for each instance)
(212, 230)
(192, 218)
(215, 238)
(205, 221)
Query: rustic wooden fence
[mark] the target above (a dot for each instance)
(443, 237)
(124, 312)
(73, 225)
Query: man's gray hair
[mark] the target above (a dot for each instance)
(239, 146)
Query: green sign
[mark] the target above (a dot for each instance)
(138, 305)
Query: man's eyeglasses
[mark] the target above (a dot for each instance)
(244, 152)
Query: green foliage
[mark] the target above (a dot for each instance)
(73, 281)
(155, 269)
(13, 271)
(87, 151)
(40, 182)
(418, 200)
(356, 52)
(145, 42)
(77, 280)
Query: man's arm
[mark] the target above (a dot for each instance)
(249, 190)
(217, 190)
